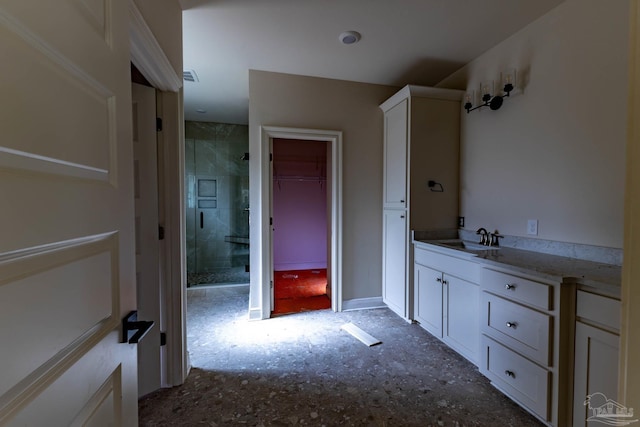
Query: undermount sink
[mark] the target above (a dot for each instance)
(463, 244)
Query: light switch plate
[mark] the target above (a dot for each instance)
(532, 227)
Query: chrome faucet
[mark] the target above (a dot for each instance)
(484, 236)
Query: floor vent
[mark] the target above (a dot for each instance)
(190, 76)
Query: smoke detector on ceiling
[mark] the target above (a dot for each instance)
(190, 76)
(349, 37)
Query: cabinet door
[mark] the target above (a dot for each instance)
(596, 370)
(428, 299)
(462, 331)
(394, 269)
(395, 156)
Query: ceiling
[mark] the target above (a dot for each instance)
(403, 42)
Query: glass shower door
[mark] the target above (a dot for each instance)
(217, 205)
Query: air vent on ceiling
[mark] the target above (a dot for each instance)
(190, 76)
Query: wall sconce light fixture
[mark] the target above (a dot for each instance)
(494, 102)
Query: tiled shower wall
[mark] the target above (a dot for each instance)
(217, 202)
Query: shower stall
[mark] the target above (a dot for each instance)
(217, 203)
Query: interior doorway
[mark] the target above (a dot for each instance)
(263, 279)
(216, 203)
(300, 228)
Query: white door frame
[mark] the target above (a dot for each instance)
(334, 139)
(629, 372)
(147, 55)
(151, 370)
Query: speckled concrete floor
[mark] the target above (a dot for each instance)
(224, 276)
(302, 369)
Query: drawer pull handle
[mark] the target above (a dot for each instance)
(438, 279)
(512, 325)
(445, 282)
(510, 373)
(510, 287)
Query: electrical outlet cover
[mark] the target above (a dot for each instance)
(532, 227)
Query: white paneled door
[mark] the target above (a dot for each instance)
(67, 263)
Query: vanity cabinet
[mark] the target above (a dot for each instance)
(421, 143)
(447, 302)
(596, 352)
(521, 349)
(543, 338)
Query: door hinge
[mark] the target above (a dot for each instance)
(158, 124)
(163, 338)
(270, 220)
(272, 284)
(160, 232)
(271, 157)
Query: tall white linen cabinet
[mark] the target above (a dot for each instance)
(421, 144)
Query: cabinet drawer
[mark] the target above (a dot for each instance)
(518, 289)
(518, 377)
(520, 328)
(599, 309)
(464, 269)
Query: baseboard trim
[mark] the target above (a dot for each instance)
(215, 286)
(300, 266)
(255, 314)
(362, 304)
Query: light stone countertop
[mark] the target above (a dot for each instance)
(605, 279)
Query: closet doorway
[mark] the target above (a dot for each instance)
(300, 230)
(261, 301)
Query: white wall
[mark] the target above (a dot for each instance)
(308, 102)
(555, 152)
